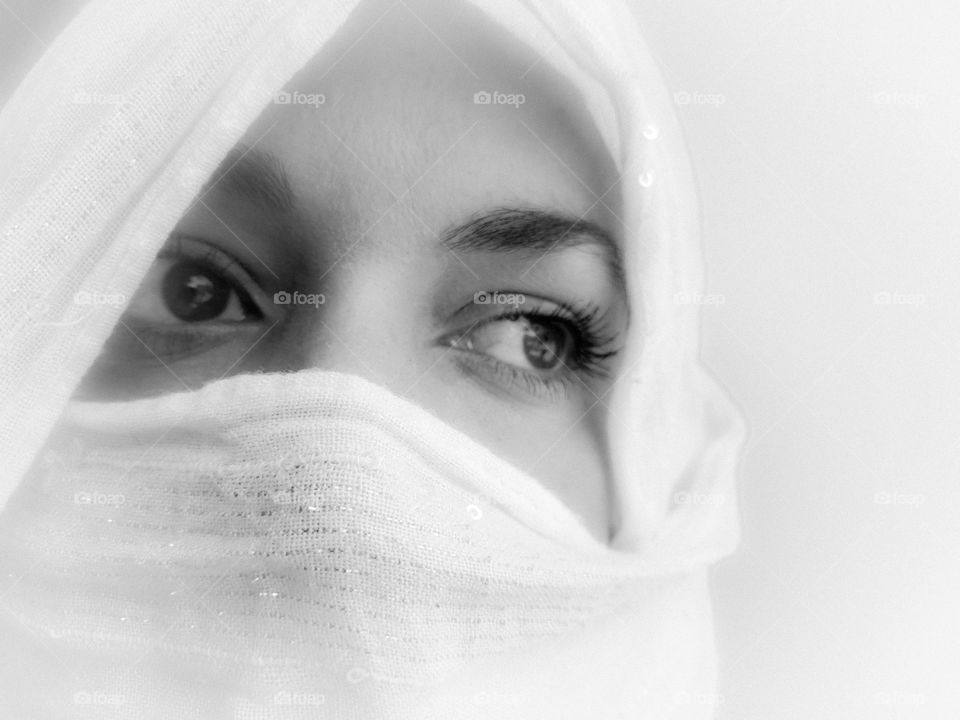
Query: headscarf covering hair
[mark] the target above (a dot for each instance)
(307, 544)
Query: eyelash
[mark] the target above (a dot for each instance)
(217, 262)
(585, 325)
(589, 339)
(170, 342)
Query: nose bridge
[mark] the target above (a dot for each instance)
(360, 305)
(352, 324)
(341, 335)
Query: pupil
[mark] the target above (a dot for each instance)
(193, 293)
(543, 345)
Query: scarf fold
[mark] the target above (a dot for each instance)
(105, 144)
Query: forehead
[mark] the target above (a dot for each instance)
(386, 120)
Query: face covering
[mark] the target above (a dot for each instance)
(308, 545)
(273, 545)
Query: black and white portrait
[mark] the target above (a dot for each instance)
(417, 359)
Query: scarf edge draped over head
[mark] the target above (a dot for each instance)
(90, 192)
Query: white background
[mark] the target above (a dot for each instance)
(830, 172)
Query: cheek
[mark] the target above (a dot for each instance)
(560, 446)
(566, 456)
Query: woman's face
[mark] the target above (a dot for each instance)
(388, 223)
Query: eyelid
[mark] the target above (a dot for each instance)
(473, 304)
(244, 281)
(586, 317)
(594, 346)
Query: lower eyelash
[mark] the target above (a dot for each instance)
(169, 344)
(509, 377)
(591, 350)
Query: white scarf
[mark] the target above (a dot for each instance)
(471, 591)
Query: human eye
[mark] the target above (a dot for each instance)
(543, 349)
(194, 296)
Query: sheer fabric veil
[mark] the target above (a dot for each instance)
(157, 606)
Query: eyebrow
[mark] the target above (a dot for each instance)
(505, 230)
(260, 178)
(256, 177)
